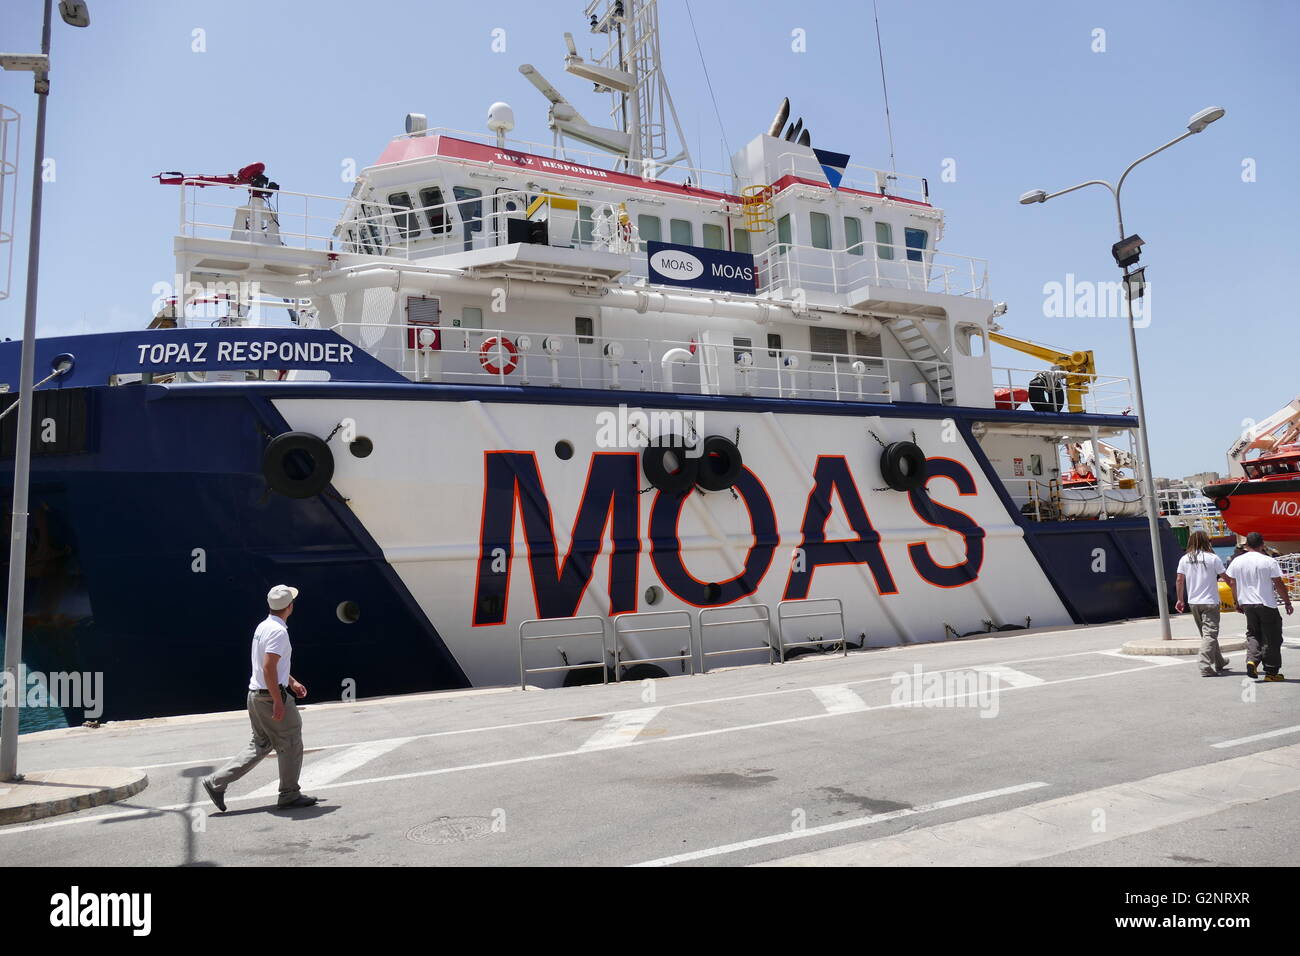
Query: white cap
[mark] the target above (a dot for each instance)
(281, 596)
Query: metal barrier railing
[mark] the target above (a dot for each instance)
(764, 617)
(604, 647)
(621, 627)
(782, 616)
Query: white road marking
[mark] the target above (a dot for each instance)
(1067, 824)
(328, 769)
(838, 699)
(836, 827)
(1150, 659)
(1008, 675)
(488, 728)
(1281, 732)
(621, 730)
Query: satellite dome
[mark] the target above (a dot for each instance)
(501, 118)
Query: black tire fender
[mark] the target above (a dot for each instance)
(297, 465)
(667, 466)
(903, 466)
(719, 465)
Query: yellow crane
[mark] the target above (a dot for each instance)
(1079, 367)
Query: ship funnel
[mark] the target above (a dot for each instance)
(778, 122)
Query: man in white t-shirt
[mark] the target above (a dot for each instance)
(1199, 572)
(272, 710)
(1257, 586)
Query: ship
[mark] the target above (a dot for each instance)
(1261, 492)
(555, 414)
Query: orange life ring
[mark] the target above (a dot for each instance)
(488, 349)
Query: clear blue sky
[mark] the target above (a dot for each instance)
(1010, 90)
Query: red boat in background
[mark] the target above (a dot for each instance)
(1265, 495)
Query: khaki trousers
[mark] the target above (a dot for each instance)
(1206, 617)
(283, 736)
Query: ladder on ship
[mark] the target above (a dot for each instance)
(923, 349)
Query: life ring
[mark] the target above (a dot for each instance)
(903, 466)
(667, 466)
(719, 465)
(487, 351)
(297, 465)
(1046, 393)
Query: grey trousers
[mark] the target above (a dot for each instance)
(283, 736)
(1206, 617)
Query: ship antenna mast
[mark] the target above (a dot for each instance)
(889, 123)
(631, 71)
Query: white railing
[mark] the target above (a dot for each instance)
(277, 217)
(1103, 395)
(597, 159)
(508, 357)
(838, 271)
(865, 178)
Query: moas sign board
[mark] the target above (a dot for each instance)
(698, 268)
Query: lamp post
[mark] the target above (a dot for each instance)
(1126, 253)
(74, 13)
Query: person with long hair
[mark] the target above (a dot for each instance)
(1199, 572)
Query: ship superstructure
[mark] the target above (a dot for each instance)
(523, 412)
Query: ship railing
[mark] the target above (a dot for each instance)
(881, 182)
(656, 623)
(822, 609)
(737, 366)
(786, 268)
(733, 618)
(1027, 494)
(585, 629)
(1096, 394)
(279, 217)
(678, 174)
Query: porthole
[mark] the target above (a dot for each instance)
(349, 612)
(361, 446)
(653, 595)
(563, 450)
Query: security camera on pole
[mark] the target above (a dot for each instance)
(1126, 253)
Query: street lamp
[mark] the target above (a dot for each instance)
(75, 14)
(1126, 252)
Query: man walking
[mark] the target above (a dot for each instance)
(272, 709)
(1199, 572)
(1256, 580)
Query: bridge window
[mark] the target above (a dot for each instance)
(582, 229)
(407, 225)
(468, 202)
(916, 240)
(649, 228)
(884, 240)
(853, 235)
(821, 230)
(783, 234)
(740, 240)
(681, 232)
(434, 210)
(713, 236)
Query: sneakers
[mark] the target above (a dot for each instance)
(215, 795)
(1222, 668)
(1272, 678)
(298, 803)
(1252, 670)
(1209, 673)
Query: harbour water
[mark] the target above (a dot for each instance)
(31, 719)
